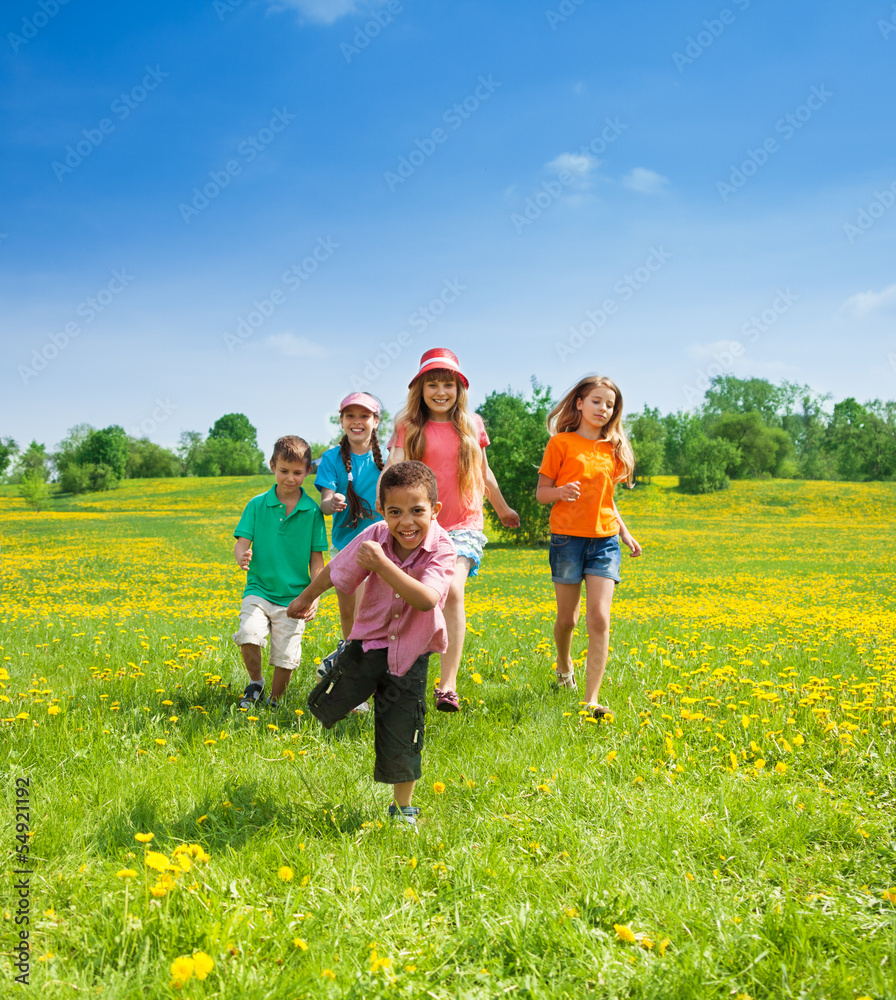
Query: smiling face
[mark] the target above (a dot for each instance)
(408, 513)
(596, 408)
(439, 396)
(358, 423)
(289, 475)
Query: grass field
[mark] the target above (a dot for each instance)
(730, 834)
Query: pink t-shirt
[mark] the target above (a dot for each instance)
(385, 620)
(440, 454)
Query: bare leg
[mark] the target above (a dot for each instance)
(251, 655)
(403, 792)
(598, 598)
(455, 625)
(280, 683)
(569, 597)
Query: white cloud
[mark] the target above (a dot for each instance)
(863, 303)
(291, 346)
(322, 11)
(578, 165)
(644, 181)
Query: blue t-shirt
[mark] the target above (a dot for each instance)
(331, 475)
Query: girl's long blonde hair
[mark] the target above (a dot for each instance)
(566, 417)
(469, 456)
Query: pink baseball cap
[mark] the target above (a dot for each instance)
(440, 359)
(361, 399)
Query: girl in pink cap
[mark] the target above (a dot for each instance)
(437, 428)
(346, 477)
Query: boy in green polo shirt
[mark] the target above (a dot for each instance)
(280, 541)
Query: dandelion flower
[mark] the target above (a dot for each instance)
(328, 974)
(126, 873)
(300, 943)
(156, 861)
(202, 964)
(624, 933)
(181, 970)
(781, 767)
(438, 787)
(285, 873)
(143, 838)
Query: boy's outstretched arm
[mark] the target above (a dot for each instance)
(305, 605)
(417, 594)
(508, 517)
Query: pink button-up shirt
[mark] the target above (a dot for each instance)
(385, 620)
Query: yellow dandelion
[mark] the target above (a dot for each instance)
(611, 756)
(156, 861)
(126, 873)
(285, 873)
(54, 710)
(181, 970)
(202, 964)
(476, 678)
(328, 974)
(300, 943)
(624, 933)
(160, 742)
(662, 946)
(143, 838)
(438, 787)
(781, 767)
(158, 891)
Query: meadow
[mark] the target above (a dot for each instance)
(728, 834)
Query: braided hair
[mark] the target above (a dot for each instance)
(358, 508)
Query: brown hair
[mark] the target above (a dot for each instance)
(404, 474)
(470, 482)
(291, 448)
(358, 507)
(566, 416)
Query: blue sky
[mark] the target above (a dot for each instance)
(220, 206)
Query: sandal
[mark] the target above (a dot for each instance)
(566, 680)
(598, 711)
(446, 701)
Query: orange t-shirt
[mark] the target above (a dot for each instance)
(569, 458)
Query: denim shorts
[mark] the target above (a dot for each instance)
(573, 558)
(399, 707)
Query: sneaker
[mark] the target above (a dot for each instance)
(566, 680)
(252, 695)
(327, 662)
(446, 701)
(271, 703)
(404, 816)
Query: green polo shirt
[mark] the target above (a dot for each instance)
(281, 545)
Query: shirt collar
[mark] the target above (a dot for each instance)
(272, 500)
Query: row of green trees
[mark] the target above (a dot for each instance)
(89, 459)
(746, 428)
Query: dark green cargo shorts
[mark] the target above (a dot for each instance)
(399, 707)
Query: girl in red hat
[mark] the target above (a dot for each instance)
(437, 428)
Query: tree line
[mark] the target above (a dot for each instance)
(744, 428)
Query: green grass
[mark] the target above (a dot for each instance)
(760, 617)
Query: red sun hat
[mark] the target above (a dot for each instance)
(440, 359)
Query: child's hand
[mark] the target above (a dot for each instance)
(510, 519)
(301, 607)
(570, 492)
(628, 539)
(371, 556)
(245, 559)
(337, 502)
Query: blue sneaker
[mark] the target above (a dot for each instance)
(252, 695)
(327, 662)
(404, 816)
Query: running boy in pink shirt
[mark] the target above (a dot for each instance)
(408, 561)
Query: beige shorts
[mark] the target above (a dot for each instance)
(260, 619)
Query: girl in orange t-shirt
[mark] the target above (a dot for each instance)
(436, 428)
(587, 455)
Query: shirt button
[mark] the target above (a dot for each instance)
(392, 637)
(396, 615)
(398, 596)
